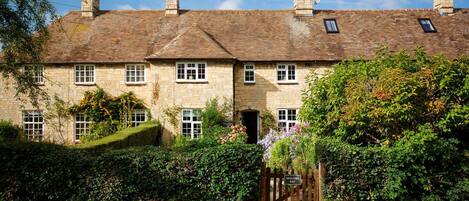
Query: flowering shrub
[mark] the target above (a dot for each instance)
(289, 149)
(237, 134)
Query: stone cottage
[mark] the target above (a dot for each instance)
(259, 59)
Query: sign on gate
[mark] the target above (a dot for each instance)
(292, 180)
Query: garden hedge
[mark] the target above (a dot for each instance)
(148, 133)
(421, 166)
(49, 172)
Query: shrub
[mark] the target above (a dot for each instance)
(148, 133)
(374, 101)
(237, 135)
(227, 172)
(100, 130)
(9, 131)
(421, 166)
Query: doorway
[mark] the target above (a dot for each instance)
(251, 121)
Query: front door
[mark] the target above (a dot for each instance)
(250, 121)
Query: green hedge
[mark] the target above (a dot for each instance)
(148, 133)
(420, 166)
(9, 131)
(48, 172)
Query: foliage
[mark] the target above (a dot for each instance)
(289, 150)
(23, 33)
(56, 118)
(216, 114)
(226, 172)
(100, 130)
(420, 166)
(281, 158)
(237, 135)
(9, 131)
(148, 133)
(374, 101)
(107, 113)
(268, 122)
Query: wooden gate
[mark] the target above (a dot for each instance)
(273, 188)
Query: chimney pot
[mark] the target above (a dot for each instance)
(172, 7)
(304, 7)
(444, 7)
(89, 8)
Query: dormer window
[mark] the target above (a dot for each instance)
(191, 72)
(427, 25)
(331, 26)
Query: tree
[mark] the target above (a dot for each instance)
(23, 33)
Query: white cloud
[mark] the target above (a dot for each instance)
(125, 7)
(230, 5)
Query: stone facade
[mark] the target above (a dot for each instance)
(160, 77)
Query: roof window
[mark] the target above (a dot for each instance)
(427, 25)
(331, 26)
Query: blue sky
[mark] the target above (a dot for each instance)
(63, 6)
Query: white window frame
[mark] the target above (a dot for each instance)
(37, 75)
(288, 122)
(253, 70)
(186, 68)
(135, 66)
(192, 135)
(85, 82)
(287, 73)
(33, 134)
(135, 114)
(86, 122)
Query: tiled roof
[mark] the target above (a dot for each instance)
(252, 35)
(193, 43)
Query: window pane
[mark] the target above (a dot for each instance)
(291, 72)
(282, 126)
(281, 75)
(186, 115)
(201, 73)
(197, 130)
(187, 130)
(282, 115)
(427, 25)
(292, 115)
(191, 73)
(180, 71)
(331, 25)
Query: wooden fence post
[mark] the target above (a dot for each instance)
(262, 183)
(322, 178)
(267, 184)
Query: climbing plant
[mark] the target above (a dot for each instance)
(268, 122)
(107, 113)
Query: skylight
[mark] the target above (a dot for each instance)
(331, 26)
(427, 25)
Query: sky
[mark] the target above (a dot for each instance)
(63, 6)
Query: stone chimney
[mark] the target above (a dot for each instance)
(304, 7)
(89, 8)
(172, 7)
(444, 7)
